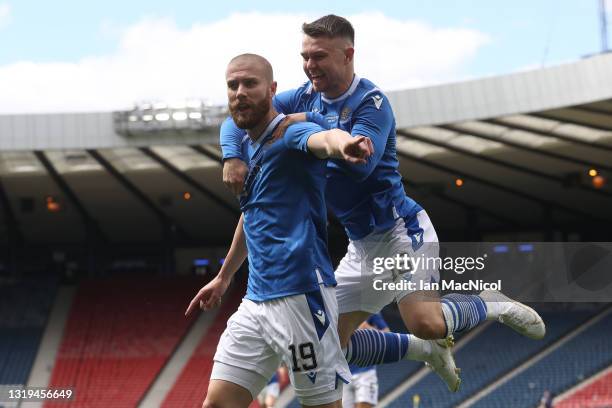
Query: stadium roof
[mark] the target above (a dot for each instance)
(522, 145)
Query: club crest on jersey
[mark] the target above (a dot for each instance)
(345, 114)
(378, 100)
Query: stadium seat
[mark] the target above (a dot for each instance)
(579, 358)
(189, 390)
(119, 334)
(24, 309)
(488, 356)
(596, 394)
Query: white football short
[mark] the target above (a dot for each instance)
(408, 244)
(300, 330)
(363, 388)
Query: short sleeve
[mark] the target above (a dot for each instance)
(297, 135)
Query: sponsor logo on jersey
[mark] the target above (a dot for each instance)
(331, 119)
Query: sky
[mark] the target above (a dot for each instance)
(83, 56)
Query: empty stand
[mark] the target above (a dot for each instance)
(190, 388)
(597, 393)
(495, 351)
(579, 358)
(119, 334)
(24, 308)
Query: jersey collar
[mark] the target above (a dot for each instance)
(268, 130)
(346, 94)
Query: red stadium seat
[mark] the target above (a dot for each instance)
(597, 394)
(119, 335)
(190, 388)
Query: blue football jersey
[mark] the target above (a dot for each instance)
(285, 215)
(365, 198)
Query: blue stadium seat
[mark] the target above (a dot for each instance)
(485, 358)
(24, 309)
(579, 358)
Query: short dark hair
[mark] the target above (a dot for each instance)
(267, 67)
(330, 26)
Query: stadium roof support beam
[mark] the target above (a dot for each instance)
(502, 219)
(509, 190)
(589, 144)
(166, 221)
(501, 163)
(548, 115)
(15, 234)
(210, 153)
(91, 225)
(592, 109)
(192, 182)
(526, 148)
(466, 206)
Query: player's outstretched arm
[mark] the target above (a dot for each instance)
(210, 295)
(338, 144)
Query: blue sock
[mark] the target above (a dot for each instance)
(370, 347)
(462, 312)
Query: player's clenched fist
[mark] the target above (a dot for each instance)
(234, 173)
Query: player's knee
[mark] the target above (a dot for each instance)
(423, 318)
(211, 403)
(428, 328)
